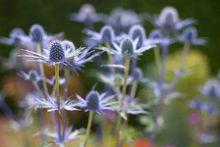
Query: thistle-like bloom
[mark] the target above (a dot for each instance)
(156, 37)
(137, 75)
(211, 88)
(190, 35)
(68, 135)
(97, 102)
(128, 47)
(169, 20)
(87, 14)
(121, 19)
(32, 75)
(55, 54)
(50, 103)
(130, 106)
(13, 38)
(106, 34)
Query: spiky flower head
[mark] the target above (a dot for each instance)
(138, 32)
(56, 53)
(127, 47)
(97, 102)
(37, 33)
(92, 101)
(168, 17)
(211, 88)
(190, 35)
(107, 34)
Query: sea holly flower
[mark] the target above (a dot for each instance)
(97, 102)
(13, 38)
(211, 88)
(31, 75)
(36, 35)
(190, 35)
(106, 34)
(65, 137)
(87, 15)
(50, 103)
(130, 106)
(137, 75)
(127, 47)
(169, 20)
(121, 19)
(195, 104)
(109, 79)
(156, 37)
(55, 54)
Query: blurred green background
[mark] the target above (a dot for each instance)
(53, 15)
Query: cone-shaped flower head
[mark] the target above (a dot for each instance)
(56, 52)
(37, 33)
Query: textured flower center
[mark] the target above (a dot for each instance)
(93, 101)
(37, 33)
(56, 52)
(127, 47)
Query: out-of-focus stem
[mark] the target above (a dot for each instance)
(184, 54)
(88, 129)
(41, 66)
(121, 100)
(157, 59)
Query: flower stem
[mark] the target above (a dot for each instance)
(121, 100)
(157, 59)
(88, 129)
(41, 66)
(57, 94)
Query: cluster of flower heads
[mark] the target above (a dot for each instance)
(124, 39)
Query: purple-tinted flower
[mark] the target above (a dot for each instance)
(195, 104)
(130, 106)
(55, 54)
(138, 76)
(97, 102)
(211, 88)
(127, 47)
(121, 19)
(106, 34)
(50, 103)
(37, 35)
(87, 14)
(65, 137)
(169, 20)
(208, 107)
(190, 35)
(13, 38)
(156, 37)
(31, 75)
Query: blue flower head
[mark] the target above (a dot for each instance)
(211, 88)
(127, 47)
(169, 21)
(190, 35)
(56, 53)
(107, 34)
(13, 39)
(87, 14)
(37, 33)
(96, 102)
(138, 32)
